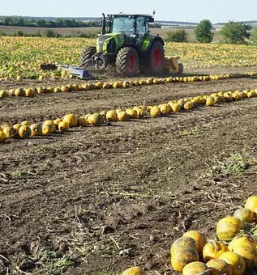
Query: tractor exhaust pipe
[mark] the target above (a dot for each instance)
(103, 24)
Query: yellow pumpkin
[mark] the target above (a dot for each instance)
(71, 119)
(2, 136)
(17, 126)
(196, 268)
(213, 249)
(175, 106)
(132, 271)
(228, 227)
(48, 127)
(244, 214)
(155, 111)
(36, 129)
(131, 113)
(111, 115)
(116, 85)
(183, 242)
(188, 105)
(219, 267)
(24, 131)
(82, 122)
(140, 112)
(9, 131)
(251, 203)
(63, 126)
(19, 92)
(56, 122)
(236, 262)
(94, 119)
(210, 101)
(200, 239)
(183, 256)
(122, 116)
(64, 89)
(165, 108)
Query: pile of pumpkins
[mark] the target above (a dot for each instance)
(233, 252)
(30, 92)
(25, 129)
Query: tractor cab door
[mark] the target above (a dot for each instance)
(142, 30)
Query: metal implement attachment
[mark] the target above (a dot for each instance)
(76, 71)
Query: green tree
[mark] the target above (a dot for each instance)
(176, 36)
(203, 32)
(235, 32)
(254, 36)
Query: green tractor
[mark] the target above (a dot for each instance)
(125, 44)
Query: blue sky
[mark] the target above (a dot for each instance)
(183, 10)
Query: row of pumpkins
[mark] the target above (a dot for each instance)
(25, 129)
(232, 253)
(30, 92)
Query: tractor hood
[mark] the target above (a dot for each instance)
(110, 43)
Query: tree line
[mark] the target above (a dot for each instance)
(58, 23)
(231, 33)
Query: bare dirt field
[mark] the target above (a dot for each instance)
(97, 200)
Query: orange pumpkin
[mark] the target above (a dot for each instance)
(183, 256)
(199, 238)
(227, 228)
(219, 267)
(195, 268)
(213, 249)
(236, 261)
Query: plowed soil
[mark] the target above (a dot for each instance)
(99, 200)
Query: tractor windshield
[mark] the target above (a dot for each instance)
(122, 24)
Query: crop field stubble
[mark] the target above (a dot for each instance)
(97, 200)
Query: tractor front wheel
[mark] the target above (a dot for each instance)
(156, 58)
(86, 55)
(127, 62)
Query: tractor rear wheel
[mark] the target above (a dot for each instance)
(127, 62)
(86, 57)
(156, 58)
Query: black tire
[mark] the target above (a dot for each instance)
(127, 62)
(86, 57)
(156, 58)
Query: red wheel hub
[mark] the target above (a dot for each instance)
(132, 63)
(157, 58)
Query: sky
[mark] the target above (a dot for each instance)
(181, 10)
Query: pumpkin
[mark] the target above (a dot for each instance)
(56, 122)
(122, 116)
(9, 131)
(132, 271)
(11, 92)
(24, 131)
(244, 214)
(111, 115)
(71, 119)
(63, 126)
(3, 93)
(94, 119)
(25, 123)
(64, 88)
(155, 111)
(131, 113)
(251, 203)
(140, 112)
(16, 126)
(244, 239)
(183, 256)
(228, 227)
(183, 242)
(219, 267)
(82, 122)
(199, 238)
(116, 85)
(195, 268)
(236, 262)
(48, 127)
(2, 136)
(103, 115)
(210, 101)
(175, 106)
(188, 105)
(165, 108)
(213, 249)
(19, 92)
(36, 129)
